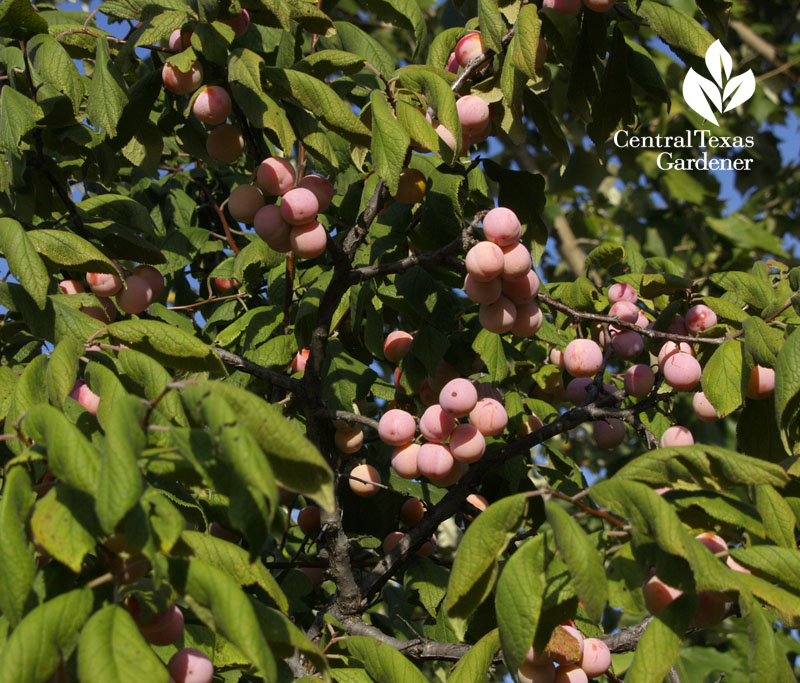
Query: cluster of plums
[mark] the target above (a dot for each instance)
(133, 295)
(593, 660)
(211, 104)
(501, 279)
(187, 665)
(292, 224)
(712, 606)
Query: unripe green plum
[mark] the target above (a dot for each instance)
(321, 187)
(190, 666)
(516, 262)
(434, 460)
(583, 358)
(276, 176)
(299, 206)
(700, 318)
(483, 292)
(682, 371)
(502, 227)
(309, 240)
(349, 440)
(103, 284)
(397, 427)
(639, 380)
(467, 444)
(458, 397)
(412, 511)
(498, 317)
(468, 48)
(703, 408)
(489, 417)
(609, 433)
(244, 202)
(136, 296)
(522, 290)
(153, 277)
(571, 7)
(212, 105)
(225, 143)
(85, 396)
(164, 628)
(627, 345)
(182, 82)
(404, 460)
(308, 519)
(676, 436)
(528, 320)
(596, 659)
(621, 291)
(435, 424)
(271, 228)
(396, 345)
(625, 311)
(761, 382)
(484, 261)
(369, 477)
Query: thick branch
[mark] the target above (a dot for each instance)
(259, 371)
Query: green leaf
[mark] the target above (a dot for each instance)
(354, 40)
(615, 104)
(20, 115)
(474, 665)
(492, 25)
(405, 13)
(119, 483)
(34, 649)
(787, 389)
(605, 255)
(746, 286)
(512, 85)
(383, 663)
(254, 260)
(582, 558)
(779, 520)
(645, 73)
(518, 600)
(780, 565)
(443, 44)
(658, 649)
(235, 562)
(439, 97)
(107, 92)
(295, 461)
(547, 124)
(476, 565)
(389, 142)
(19, 19)
(429, 580)
(323, 63)
(61, 248)
(153, 380)
(489, 346)
(17, 561)
(62, 370)
(223, 603)
(29, 390)
(764, 652)
(167, 344)
(55, 66)
(416, 125)
(344, 378)
(111, 649)
(723, 378)
(23, 261)
(675, 27)
(70, 455)
(762, 343)
(320, 99)
(526, 37)
(119, 209)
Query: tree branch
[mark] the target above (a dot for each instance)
(251, 368)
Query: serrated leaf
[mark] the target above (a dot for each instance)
(235, 562)
(153, 380)
(120, 209)
(19, 117)
(429, 580)
(489, 346)
(764, 650)
(167, 344)
(779, 520)
(62, 370)
(526, 37)
(675, 27)
(476, 565)
(54, 65)
(389, 142)
(17, 561)
(605, 255)
(492, 25)
(474, 665)
(354, 40)
(723, 378)
(19, 19)
(405, 13)
(107, 93)
(787, 389)
(518, 600)
(383, 663)
(762, 343)
(111, 649)
(23, 261)
(254, 260)
(33, 650)
(781, 565)
(62, 248)
(582, 558)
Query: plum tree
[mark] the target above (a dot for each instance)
(104, 284)
(703, 409)
(164, 628)
(489, 417)
(677, 436)
(624, 310)
(498, 317)
(485, 261)
(240, 24)
(349, 439)
(621, 291)
(154, 278)
(609, 433)
(483, 292)
(467, 444)
(404, 460)
(270, 227)
(639, 380)
(527, 320)
(761, 382)
(596, 657)
(321, 187)
(682, 371)
(85, 396)
(516, 262)
(412, 511)
(434, 460)
(700, 318)
(566, 6)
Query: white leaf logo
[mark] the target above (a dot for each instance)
(699, 91)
